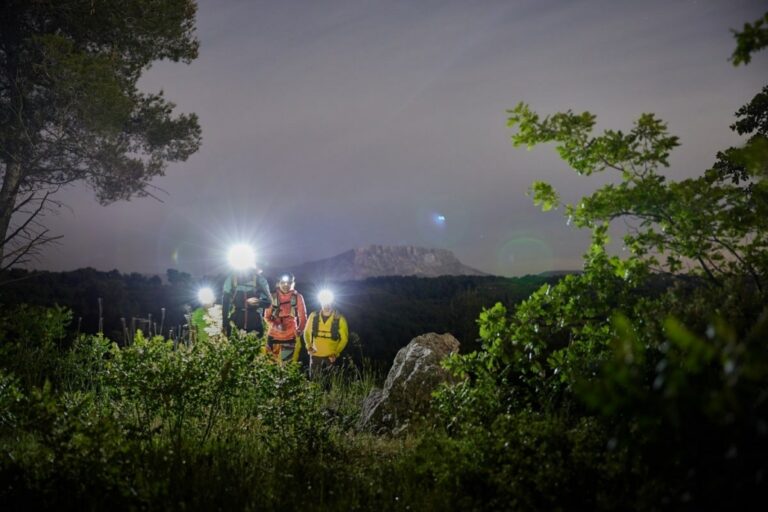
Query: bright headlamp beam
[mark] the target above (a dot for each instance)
(206, 296)
(325, 297)
(241, 257)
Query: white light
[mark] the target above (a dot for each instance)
(241, 257)
(325, 297)
(206, 296)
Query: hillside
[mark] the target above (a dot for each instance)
(384, 260)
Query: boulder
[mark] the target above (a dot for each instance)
(415, 374)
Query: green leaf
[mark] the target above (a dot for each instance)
(544, 195)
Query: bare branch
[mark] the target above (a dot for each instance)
(23, 226)
(30, 249)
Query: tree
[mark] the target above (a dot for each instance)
(752, 38)
(664, 373)
(71, 111)
(711, 223)
(177, 278)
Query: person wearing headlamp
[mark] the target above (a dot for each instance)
(286, 317)
(326, 335)
(245, 293)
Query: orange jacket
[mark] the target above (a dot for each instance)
(288, 322)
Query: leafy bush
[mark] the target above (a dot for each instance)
(31, 339)
(660, 352)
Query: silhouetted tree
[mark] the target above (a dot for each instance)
(70, 109)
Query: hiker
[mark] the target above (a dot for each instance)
(245, 294)
(326, 336)
(286, 317)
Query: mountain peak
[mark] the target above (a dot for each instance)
(384, 260)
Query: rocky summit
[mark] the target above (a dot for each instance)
(384, 260)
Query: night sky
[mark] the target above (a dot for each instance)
(329, 125)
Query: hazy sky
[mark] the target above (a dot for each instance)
(329, 125)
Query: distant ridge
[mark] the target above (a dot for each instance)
(555, 273)
(384, 260)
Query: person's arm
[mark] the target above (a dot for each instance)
(301, 311)
(308, 334)
(343, 335)
(264, 292)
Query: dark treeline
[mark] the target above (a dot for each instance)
(385, 312)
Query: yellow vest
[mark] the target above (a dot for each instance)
(321, 340)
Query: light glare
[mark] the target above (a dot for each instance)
(206, 296)
(241, 257)
(325, 297)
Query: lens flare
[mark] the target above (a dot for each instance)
(206, 296)
(524, 254)
(325, 297)
(241, 257)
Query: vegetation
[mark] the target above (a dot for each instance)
(159, 426)
(639, 383)
(752, 38)
(71, 111)
(385, 313)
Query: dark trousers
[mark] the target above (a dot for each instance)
(320, 366)
(250, 322)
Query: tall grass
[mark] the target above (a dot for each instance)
(86, 424)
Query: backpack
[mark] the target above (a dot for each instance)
(240, 291)
(335, 336)
(276, 305)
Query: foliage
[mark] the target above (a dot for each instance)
(752, 38)
(10, 397)
(660, 351)
(71, 110)
(166, 389)
(386, 312)
(198, 324)
(200, 427)
(716, 225)
(526, 461)
(618, 387)
(35, 346)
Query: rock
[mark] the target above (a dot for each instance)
(415, 374)
(384, 260)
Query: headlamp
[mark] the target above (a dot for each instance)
(325, 297)
(241, 257)
(206, 296)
